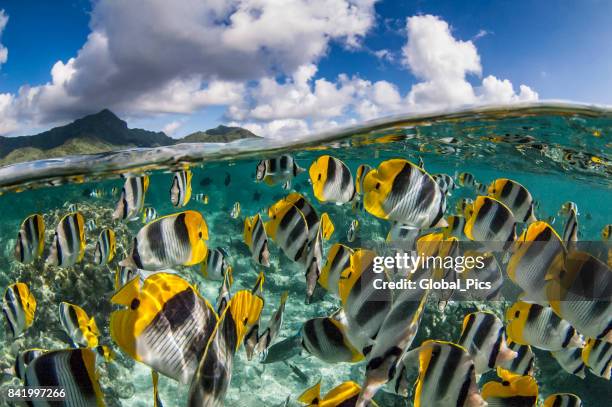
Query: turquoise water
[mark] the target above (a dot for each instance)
(559, 154)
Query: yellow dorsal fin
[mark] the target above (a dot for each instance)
(311, 396)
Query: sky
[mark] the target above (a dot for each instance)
(285, 67)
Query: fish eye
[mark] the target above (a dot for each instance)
(135, 304)
(319, 177)
(505, 383)
(377, 185)
(516, 314)
(200, 234)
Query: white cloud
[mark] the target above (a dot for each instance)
(172, 127)
(3, 50)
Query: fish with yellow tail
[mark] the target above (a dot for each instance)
(393, 339)
(18, 308)
(169, 241)
(68, 246)
(540, 327)
(30, 239)
(281, 169)
(489, 222)
(580, 293)
(515, 196)
(524, 361)
(326, 339)
(513, 391)
(537, 252)
(73, 371)
(445, 182)
(365, 300)
(399, 190)
(105, 247)
(562, 400)
(214, 372)
(571, 361)
(570, 229)
(256, 238)
(483, 337)
(597, 356)
(131, 200)
(343, 395)
(331, 180)
(80, 328)
(338, 258)
(147, 328)
(606, 232)
(446, 377)
(180, 191)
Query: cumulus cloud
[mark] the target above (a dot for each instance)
(443, 63)
(3, 50)
(152, 55)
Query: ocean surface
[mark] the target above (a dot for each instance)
(560, 153)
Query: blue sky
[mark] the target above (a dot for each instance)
(558, 49)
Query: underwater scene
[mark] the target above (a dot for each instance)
(292, 273)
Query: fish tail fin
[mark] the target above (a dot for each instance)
(311, 396)
(327, 226)
(245, 309)
(128, 262)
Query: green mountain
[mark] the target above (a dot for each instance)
(220, 134)
(100, 132)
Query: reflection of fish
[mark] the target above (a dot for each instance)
(148, 328)
(562, 400)
(514, 390)
(132, 198)
(483, 337)
(18, 307)
(72, 370)
(105, 247)
(68, 247)
(446, 377)
(538, 326)
(81, 329)
(597, 355)
(514, 196)
(571, 361)
(180, 192)
(278, 169)
(169, 241)
(399, 190)
(255, 237)
(332, 180)
(30, 239)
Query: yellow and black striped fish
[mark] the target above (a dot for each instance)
(68, 247)
(326, 339)
(538, 252)
(580, 293)
(343, 395)
(265, 339)
(131, 200)
(351, 234)
(562, 400)
(105, 247)
(445, 182)
(73, 370)
(281, 169)
(362, 171)
(18, 307)
(456, 224)
(538, 326)
(331, 180)
(462, 205)
(214, 372)
(515, 196)
(338, 258)
(488, 220)
(81, 329)
(465, 179)
(23, 359)
(165, 325)
(523, 363)
(310, 214)
(597, 355)
(446, 376)
(216, 264)
(172, 240)
(490, 272)
(399, 190)
(606, 232)
(180, 191)
(483, 337)
(288, 228)
(256, 238)
(570, 229)
(30, 239)
(148, 214)
(571, 361)
(512, 391)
